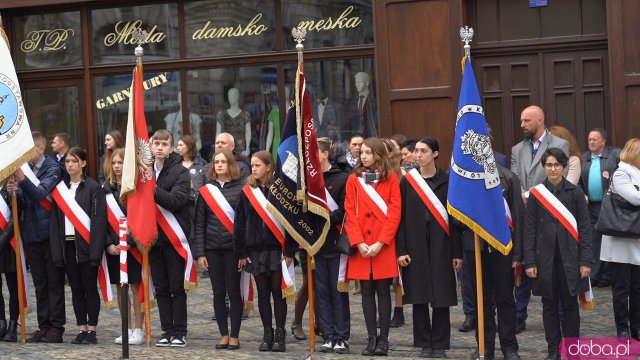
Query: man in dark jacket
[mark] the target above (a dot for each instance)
(333, 305)
(48, 279)
(598, 165)
(497, 274)
(167, 266)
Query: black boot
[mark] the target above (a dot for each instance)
(370, 350)
(12, 333)
(279, 343)
(267, 340)
(398, 317)
(3, 328)
(382, 347)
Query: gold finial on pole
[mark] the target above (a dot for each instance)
(466, 34)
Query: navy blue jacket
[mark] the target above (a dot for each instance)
(35, 217)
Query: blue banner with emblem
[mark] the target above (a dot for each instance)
(475, 194)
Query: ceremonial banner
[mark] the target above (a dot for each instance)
(475, 195)
(16, 143)
(297, 197)
(138, 179)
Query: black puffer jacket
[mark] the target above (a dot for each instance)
(335, 180)
(90, 197)
(210, 234)
(172, 193)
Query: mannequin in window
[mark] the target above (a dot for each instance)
(326, 116)
(173, 123)
(236, 122)
(273, 134)
(364, 120)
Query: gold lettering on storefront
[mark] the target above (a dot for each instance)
(123, 34)
(342, 22)
(46, 40)
(123, 95)
(253, 28)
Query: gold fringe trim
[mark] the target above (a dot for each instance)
(28, 310)
(398, 289)
(141, 246)
(190, 286)
(109, 304)
(313, 263)
(589, 305)
(479, 230)
(343, 286)
(17, 163)
(289, 293)
(248, 305)
(316, 209)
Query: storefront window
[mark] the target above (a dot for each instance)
(214, 28)
(44, 41)
(342, 96)
(328, 23)
(235, 100)
(52, 111)
(112, 30)
(112, 102)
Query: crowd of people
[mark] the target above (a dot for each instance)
(389, 194)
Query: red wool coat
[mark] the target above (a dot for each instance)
(363, 226)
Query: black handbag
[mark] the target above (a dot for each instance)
(618, 217)
(343, 246)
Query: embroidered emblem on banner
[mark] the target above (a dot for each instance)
(11, 108)
(144, 160)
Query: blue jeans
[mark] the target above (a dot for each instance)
(333, 305)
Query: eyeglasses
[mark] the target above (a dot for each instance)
(553, 166)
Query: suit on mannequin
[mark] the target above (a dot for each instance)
(364, 120)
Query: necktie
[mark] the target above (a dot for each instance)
(534, 150)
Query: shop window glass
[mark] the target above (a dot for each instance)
(215, 28)
(52, 111)
(112, 30)
(328, 23)
(44, 41)
(112, 102)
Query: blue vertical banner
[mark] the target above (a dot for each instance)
(538, 3)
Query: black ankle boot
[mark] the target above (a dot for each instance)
(370, 350)
(3, 328)
(398, 317)
(279, 342)
(382, 347)
(12, 332)
(267, 340)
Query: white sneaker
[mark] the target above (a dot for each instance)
(119, 338)
(137, 337)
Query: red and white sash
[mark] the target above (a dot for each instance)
(507, 211)
(343, 281)
(46, 202)
(259, 203)
(246, 291)
(557, 209)
(5, 218)
(81, 222)
(333, 206)
(122, 235)
(219, 205)
(169, 224)
(429, 198)
(373, 199)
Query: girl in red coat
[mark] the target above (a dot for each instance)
(373, 210)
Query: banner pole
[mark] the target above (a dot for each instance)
(19, 274)
(147, 302)
(312, 332)
(124, 312)
(479, 296)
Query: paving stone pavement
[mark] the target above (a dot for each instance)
(203, 334)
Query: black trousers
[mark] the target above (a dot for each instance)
(48, 281)
(601, 271)
(269, 286)
(83, 279)
(333, 305)
(431, 332)
(497, 289)
(225, 280)
(369, 289)
(167, 270)
(14, 306)
(550, 315)
(626, 296)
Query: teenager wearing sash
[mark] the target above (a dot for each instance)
(373, 211)
(333, 305)
(111, 188)
(79, 257)
(213, 243)
(8, 332)
(428, 251)
(167, 264)
(557, 249)
(260, 252)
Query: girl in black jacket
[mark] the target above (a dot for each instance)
(8, 332)
(213, 246)
(80, 257)
(260, 254)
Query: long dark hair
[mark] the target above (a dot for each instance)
(80, 154)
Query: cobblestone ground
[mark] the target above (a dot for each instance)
(203, 334)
